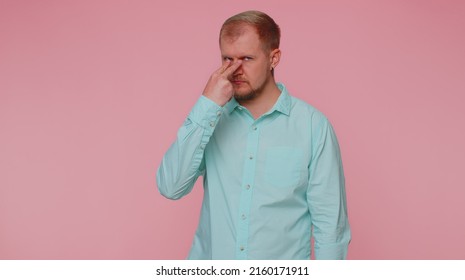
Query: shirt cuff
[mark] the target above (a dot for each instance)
(331, 252)
(206, 113)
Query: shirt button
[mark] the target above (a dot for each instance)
(218, 113)
(242, 248)
(247, 187)
(243, 217)
(212, 124)
(202, 146)
(254, 128)
(250, 157)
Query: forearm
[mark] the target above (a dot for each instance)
(182, 163)
(331, 229)
(332, 246)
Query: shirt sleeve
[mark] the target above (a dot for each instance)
(183, 162)
(326, 195)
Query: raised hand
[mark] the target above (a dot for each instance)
(219, 88)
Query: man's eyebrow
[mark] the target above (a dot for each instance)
(241, 57)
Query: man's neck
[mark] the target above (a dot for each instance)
(264, 101)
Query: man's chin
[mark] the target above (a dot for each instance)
(244, 96)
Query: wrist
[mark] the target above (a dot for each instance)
(218, 100)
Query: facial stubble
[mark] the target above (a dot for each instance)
(252, 94)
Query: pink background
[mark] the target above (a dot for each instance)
(93, 92)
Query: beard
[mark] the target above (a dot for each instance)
(246, 96)
(249, 95)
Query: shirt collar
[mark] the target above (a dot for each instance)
(282, 105)
(231, 105)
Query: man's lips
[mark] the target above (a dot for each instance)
(238, 82)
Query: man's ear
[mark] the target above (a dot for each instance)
(275, 56)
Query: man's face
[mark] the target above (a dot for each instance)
(251, 77)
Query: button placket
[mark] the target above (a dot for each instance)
(246, 193)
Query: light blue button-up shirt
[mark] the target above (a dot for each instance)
(267, 181)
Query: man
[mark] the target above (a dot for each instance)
(271, 163)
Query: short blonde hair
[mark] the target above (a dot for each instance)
(267, 29)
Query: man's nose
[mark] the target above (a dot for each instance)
(238, 70)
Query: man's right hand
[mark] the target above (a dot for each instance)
(219, 89)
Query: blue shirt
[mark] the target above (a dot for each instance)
(267, 182)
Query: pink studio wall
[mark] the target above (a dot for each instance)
(93, 92)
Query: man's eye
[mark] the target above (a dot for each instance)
(227, 59)
(247, 58)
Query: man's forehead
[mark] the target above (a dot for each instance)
(240, 47)
(231, 33)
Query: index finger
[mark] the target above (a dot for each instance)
(224, 67)
(231, 68)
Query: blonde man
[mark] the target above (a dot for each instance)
(270, 162)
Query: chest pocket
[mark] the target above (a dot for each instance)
(283, 166)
